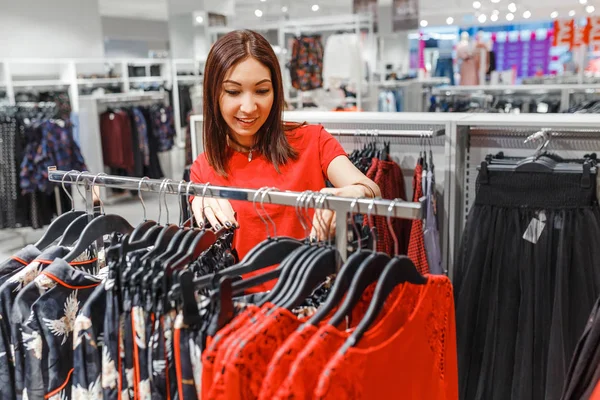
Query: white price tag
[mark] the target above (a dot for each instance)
(536, 227)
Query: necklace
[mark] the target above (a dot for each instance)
(242, 148)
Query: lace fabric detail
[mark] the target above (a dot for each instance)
(209, 356)
(339, 382)
(283, 359)
(246, 368)
(304, 372)
(437, 322)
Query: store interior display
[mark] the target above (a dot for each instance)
(472, 276)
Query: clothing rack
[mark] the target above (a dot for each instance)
(341, 205)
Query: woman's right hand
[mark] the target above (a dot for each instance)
(217, 211)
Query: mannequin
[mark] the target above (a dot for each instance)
(482, 50)
(469, 64)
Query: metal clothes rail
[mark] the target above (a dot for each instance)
(341, 205)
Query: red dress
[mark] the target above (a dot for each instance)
(316, 149)
(418, 361)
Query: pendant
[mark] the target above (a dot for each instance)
(250, 156)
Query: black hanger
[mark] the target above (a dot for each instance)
(59, 225)
(73, 231)
(399, 270)
(340, 288)
(100, 226)
(321, 266)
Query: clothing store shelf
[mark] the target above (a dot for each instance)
(98, 81)
(148, 79)
(551, 121)
(515, 88)
(325, 117)
(189, 78)
(36, 83)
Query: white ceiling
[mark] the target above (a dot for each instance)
(434, 11)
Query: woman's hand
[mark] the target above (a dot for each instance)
(324, 225)
(218, 212)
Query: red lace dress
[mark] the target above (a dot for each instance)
(416, 245)
(306, 368)
(417, 362)
(283, 359)
(209, 356)
(249, 355)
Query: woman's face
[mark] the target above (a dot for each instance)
(246, 99)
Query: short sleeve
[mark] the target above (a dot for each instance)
(196, 170)
(329, 149)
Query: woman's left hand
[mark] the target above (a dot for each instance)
(323, 226)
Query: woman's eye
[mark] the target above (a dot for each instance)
(232, 92)
(263, 91)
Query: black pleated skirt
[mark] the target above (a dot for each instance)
(522, 303)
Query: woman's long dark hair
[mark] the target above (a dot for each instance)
(271, 139)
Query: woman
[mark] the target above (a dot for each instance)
(247, 145)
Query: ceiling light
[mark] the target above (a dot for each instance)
(495, 1)
(449, 20)
(258, 13)
(554, 14)
(512, 7)
(482, 18)
(495, 12)
(572, 13)
(583, 2)
(527, 14)
(510, 17)
(424, 23)
(476, 5)
(284, 9)
(494, 17)
(590, 9)
(315, 7)
(199, 19)
(263, 0)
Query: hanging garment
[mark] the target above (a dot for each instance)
(49, 143)
(427, 338)
(306, 64)
(342, 61)
(431, 234)
(163, 126)
(526, 268)
(416, 246)
(468, 66)
(117, 140)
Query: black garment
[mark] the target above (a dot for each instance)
(522, 306)
(154, 170)
(584, 371)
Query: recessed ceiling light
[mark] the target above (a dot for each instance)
(527, 14)
(494, 17)
(424, 23)
(583, 2)
(482, 18)
(495, 1)
(199, 19)
(315, 7)
(476, 5)
(263, 0)
(590, 9)
(554, 14)
(284, 9)
(449, 20)
(572, 13)
(512, 7)
(258, 13)
(510, 17)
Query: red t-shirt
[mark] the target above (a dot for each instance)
(316, 148)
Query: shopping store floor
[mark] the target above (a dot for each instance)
(131, 209)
